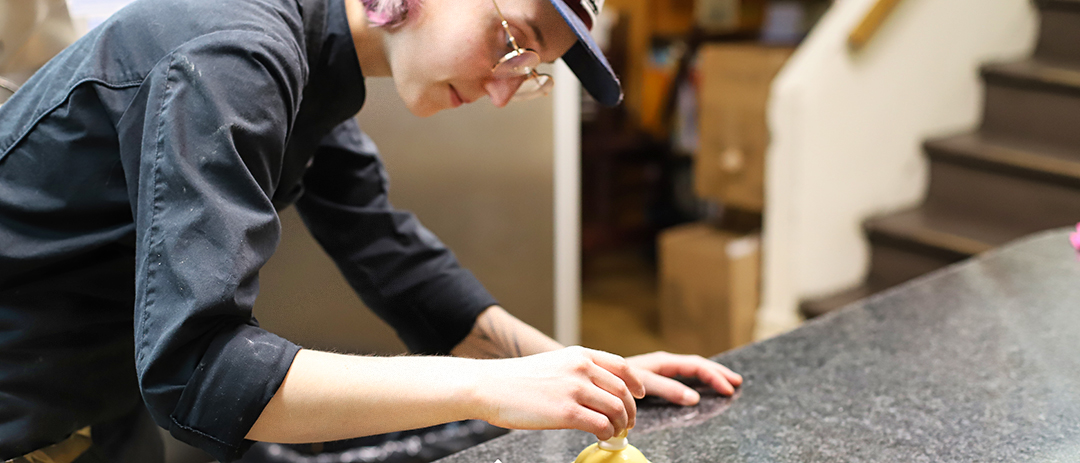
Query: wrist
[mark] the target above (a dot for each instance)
(477, 389)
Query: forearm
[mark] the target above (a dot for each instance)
(497, 334)
(327, 397)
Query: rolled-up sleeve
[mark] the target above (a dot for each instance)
(398, 267)
(201, 161)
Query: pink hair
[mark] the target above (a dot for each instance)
(1075, 238)
(388, 13)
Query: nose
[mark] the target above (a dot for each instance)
(501, 90)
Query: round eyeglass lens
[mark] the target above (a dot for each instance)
(517, 63)
(538, 86)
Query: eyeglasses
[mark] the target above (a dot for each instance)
(521, 62)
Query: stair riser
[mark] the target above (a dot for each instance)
(1041, 116)
(820, 306)
(1002, 196)
(894, 261)
(1059, 34)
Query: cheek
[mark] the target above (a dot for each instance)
(458, 60)
(457, 49)
(426, 60)
(464, 57)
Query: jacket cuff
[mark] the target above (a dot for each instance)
(447, 316)
(239, 374)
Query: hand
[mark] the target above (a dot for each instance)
(573, 387)
(657, 368)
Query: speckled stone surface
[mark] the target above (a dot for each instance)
(979, 362)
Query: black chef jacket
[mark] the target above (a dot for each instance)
(141, 172)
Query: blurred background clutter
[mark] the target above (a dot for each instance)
(31, 32)
(772, 161)
(768, 164)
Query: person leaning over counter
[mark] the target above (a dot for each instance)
(143, 168)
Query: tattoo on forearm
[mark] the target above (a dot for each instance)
(484, 346)
(497, 334)
(505, 340)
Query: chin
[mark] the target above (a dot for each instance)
(420, 103)
(423, 111)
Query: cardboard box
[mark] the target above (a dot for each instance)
(723, 16)
(717, 15)
(735, 81)
(709, 280)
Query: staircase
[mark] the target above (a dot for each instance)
(1018, 173)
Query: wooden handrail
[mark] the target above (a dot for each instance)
(870, 24)
(8, 85)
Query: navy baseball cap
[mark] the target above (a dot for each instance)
(585, 57)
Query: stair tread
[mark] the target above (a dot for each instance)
(1047, 160)
(820, 306)
(1034, 73)
(943, 230)
(1073, 5)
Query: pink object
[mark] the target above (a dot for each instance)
(1075, 238)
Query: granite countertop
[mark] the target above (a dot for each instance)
(977, 362)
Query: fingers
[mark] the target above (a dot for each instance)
(614, 376)
(612, 408)
(672, 391)
(711, 374)
(592, 421)
(594, 391)
(614, 386)
(734, 378)
(619, 367)
(717, 376)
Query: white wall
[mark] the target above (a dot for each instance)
(481, 178)
(846, 130)
(566, 119)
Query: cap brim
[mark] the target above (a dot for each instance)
(587, 60)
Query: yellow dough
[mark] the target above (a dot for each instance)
(614, 450)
